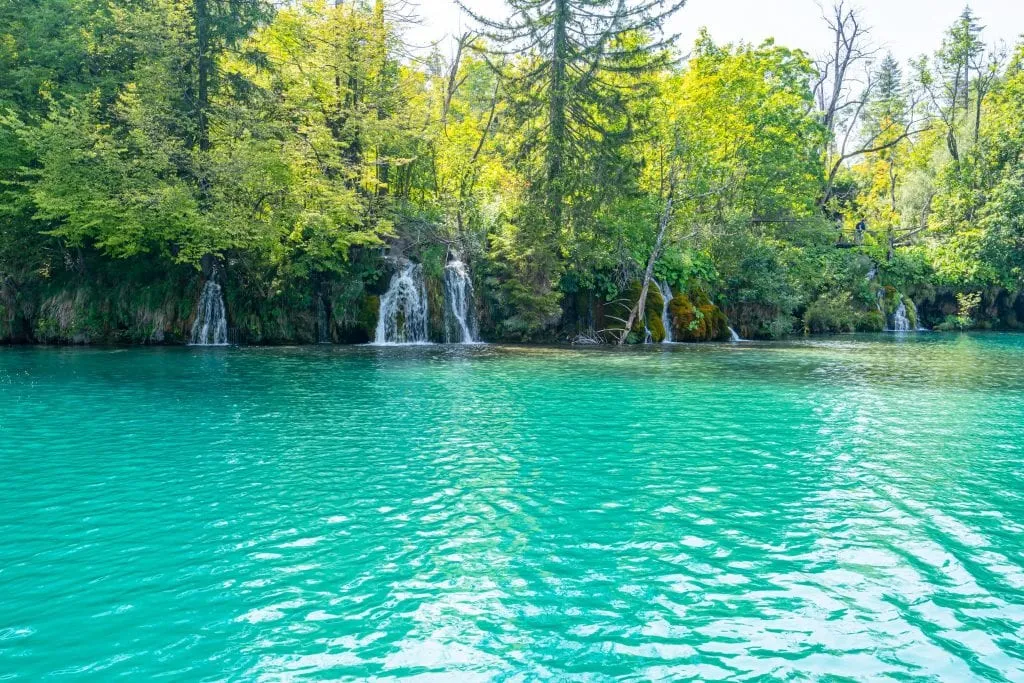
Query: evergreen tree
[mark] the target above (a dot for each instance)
(217, 25)
(888, 100)
(579, 64)
(960, 48)
(949, 82)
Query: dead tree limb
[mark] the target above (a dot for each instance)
(637, 311)
(454, 80)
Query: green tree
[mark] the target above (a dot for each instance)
(582, 60)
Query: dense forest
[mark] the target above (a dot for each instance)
(598, 181)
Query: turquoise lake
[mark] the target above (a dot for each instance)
(849, 508)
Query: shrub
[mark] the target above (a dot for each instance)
(780, 326)
(830, 314)
(870, 321)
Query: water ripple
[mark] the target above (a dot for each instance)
(846, 508)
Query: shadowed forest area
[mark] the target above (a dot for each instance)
(282, 167)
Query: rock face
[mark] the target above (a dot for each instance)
(89, 313)
(433, 300)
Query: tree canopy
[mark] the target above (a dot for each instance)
(570, 150)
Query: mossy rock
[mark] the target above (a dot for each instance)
(683, 316)
(656, 326)
(911, 313)
(700, 298)
(890, 300)
(357, 325)
(716, 325)
(71, 316)
(695, 319)
(652, 313)
(434, 285)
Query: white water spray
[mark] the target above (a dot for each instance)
(900, 321)
(733, 336)
(666, 299)
(459, 313)
(403, 309)
(211, 325)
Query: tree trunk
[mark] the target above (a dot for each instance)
(967, 83)
(892, 182)
(637, 312)
(380, 25)
(557, 119)
(203, 72)
(977, 112)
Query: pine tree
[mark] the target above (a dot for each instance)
(577, 61)
(960, 48)
(217, 25)
(889, 96)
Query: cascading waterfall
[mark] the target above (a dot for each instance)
(733, 337)
(323, 322)
(666, 299)
(900, 321)
(459, 309)
(403, 309)
(211, 325)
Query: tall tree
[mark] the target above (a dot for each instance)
(47, 50)
(888, 102)
(948, 79)
(574, 61)
(846, 88)
(960, 48)
(217, 26)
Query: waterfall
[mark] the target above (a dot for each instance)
(459, 313)
(900, 321)
(403, 309)
(733, 337)
(211, 325)
(323, 322)
(666, 299)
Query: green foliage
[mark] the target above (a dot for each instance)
(967, 304)
(761, 291)
(680, 267)
(870, 321)
(833, 314)
(297, 144)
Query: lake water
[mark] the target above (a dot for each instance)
(849, 507)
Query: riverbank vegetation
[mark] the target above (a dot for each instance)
(600, 180)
